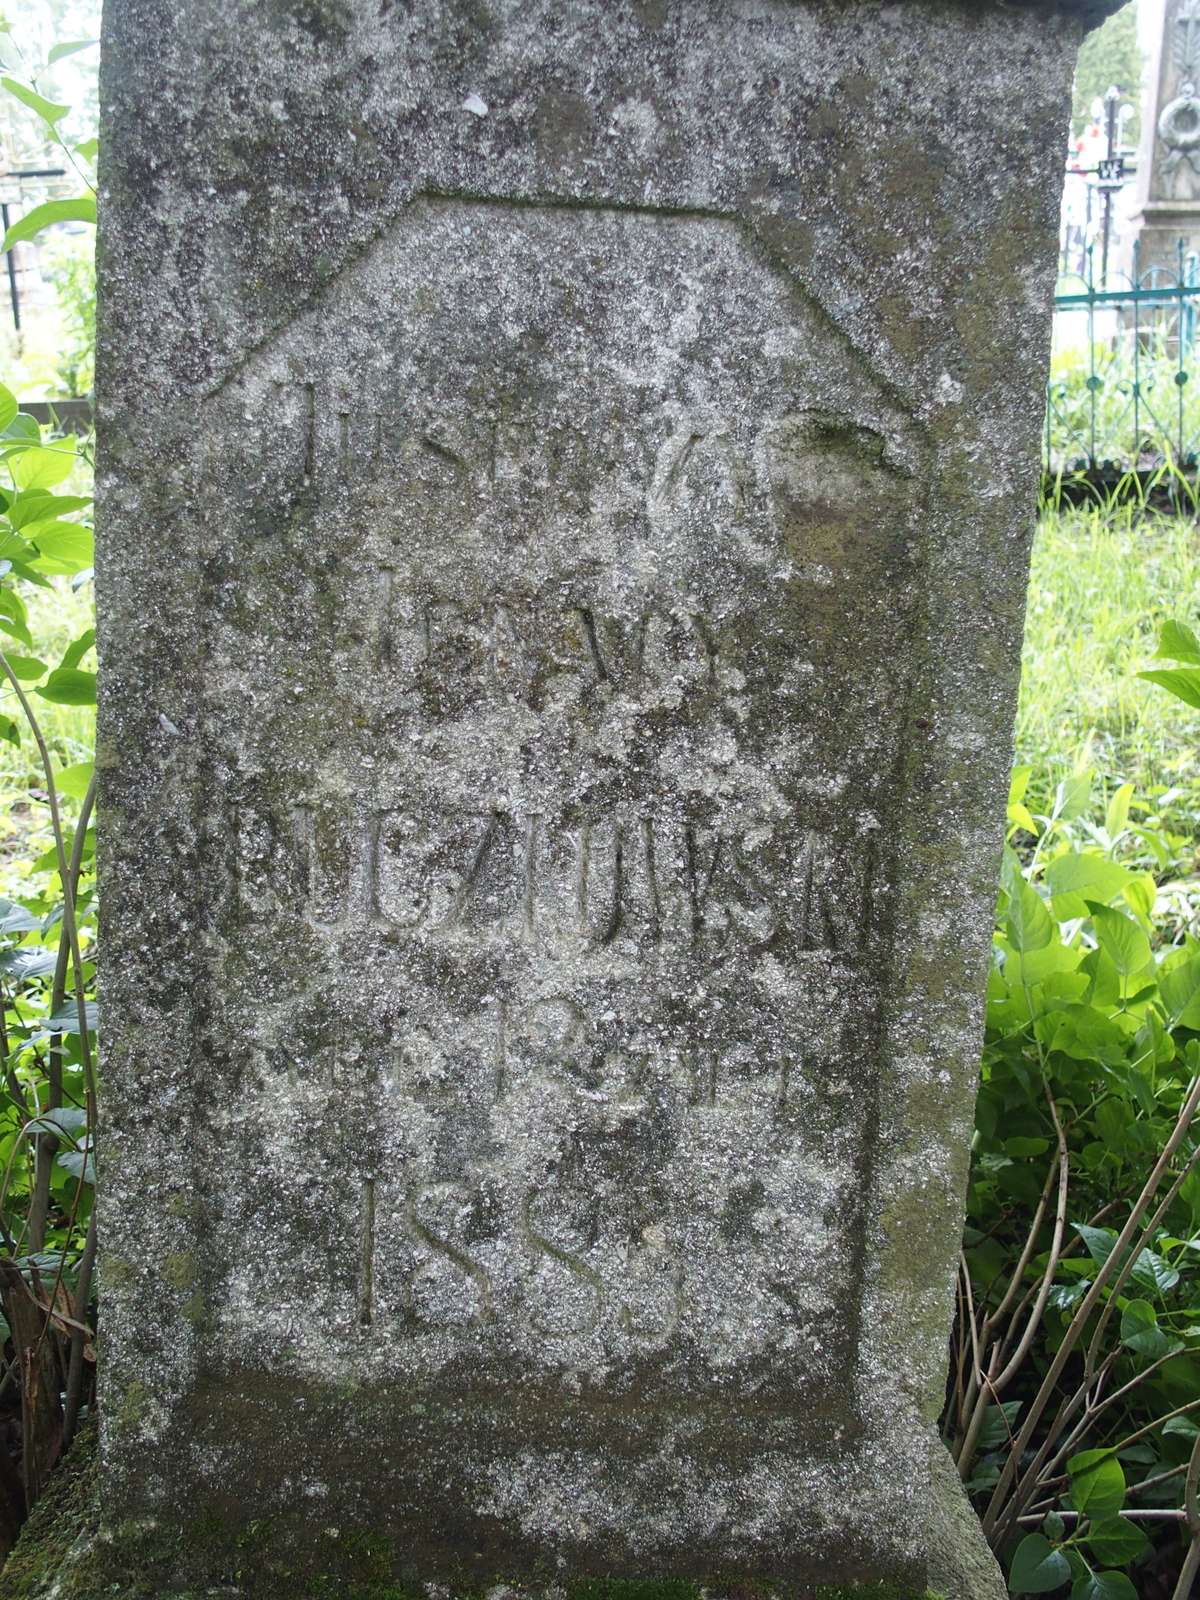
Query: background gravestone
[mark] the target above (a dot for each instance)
(1169, 158)
(567, 475)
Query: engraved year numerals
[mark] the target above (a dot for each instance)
(447, 1255)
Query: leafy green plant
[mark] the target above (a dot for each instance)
(50, 116)
(72, 271)
(1178, 643)
(1129, 406)
(1077, 1356)
(47, 972)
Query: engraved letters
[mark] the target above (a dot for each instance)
(593, 881)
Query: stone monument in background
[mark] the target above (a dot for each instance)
(1168, 178)
(567, 473)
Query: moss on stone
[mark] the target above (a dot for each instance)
(179, 1269)
(62, 1552)
(633, 1589)
(63, 1518)
(876, 1591)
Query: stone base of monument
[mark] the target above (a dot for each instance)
(64, 1554)
(1166, 237)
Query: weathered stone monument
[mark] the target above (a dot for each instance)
(1168, 182)
(567, 474)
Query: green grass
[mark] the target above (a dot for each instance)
(1102, 585)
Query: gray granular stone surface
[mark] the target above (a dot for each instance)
(566, 479)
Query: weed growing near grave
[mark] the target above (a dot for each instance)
(1092, 412)
(1102, 584)
(1073, 1412)
(47, 974)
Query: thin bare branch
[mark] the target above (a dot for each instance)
(997, 1505)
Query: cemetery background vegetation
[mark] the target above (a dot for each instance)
(47, 971)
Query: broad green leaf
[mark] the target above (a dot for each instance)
(8, 407)
(1179, 986)
(78, 648)
(30, 963)
(1099, 1241)
(36, 506)
(1083, 875)
(1018, 813)
(74, 780)
(1020, 816)
(88, 149)
(1037, 1567)
(1097, 1484)
(31, 224)
(1085, 1033)
(1113, 1119)
(1073, 796)
(48, 860)
(1066, 1295)
(13, 547)
(1029, 924)
(999, 1424)
(1141, 892)
(15, 918)
(44, 465)
(22, 429)
(66, 1018)
(1116, 1541)
(1117, 814)
(9, 731)
(1140, 1330)
(1150, 1270)
(17, 629)
(68, 545)
(1055, 962)
(1079, 1567)
(68, 686)
(79, 1165)
(1182, 682)
(25, 667)
(1121, 939)
(68, 48)
(1177, 642)
(50, 111)
(30, 573)
(1103, 1586)
(1022, 1148)
(63, 1119)
(1144, 1454)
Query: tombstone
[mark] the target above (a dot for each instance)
(567, 476)
(1168, 181)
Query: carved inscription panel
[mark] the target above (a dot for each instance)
(556, 694)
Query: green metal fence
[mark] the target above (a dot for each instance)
(1124, 389)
